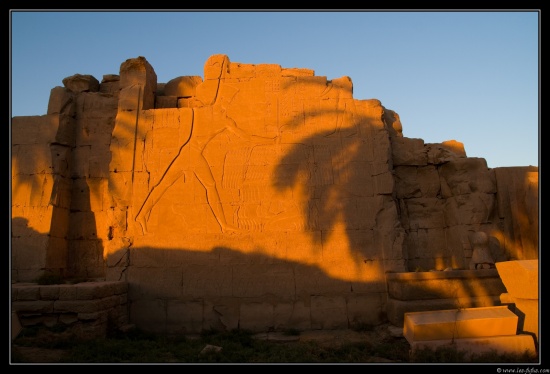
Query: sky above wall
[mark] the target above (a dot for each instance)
(469, 76)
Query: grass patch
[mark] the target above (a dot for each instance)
(452, 355)
(236, 346)
(362, 327)
(291, 332)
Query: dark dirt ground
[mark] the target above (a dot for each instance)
(325, 338)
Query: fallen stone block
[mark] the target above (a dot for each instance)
(459, 323)
(521, 278)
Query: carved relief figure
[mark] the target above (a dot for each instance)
(481, 256)
(215, 94)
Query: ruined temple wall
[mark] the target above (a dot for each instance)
(445, 197)
(319, 196)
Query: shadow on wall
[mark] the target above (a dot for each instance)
(34, 254)
(29, 254)
(59, 233)
(518, 211)
(338, 184)
(85, 255)
(225, 289)
(341, 169)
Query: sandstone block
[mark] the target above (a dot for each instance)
(95, 105)
(86, 306)
(469, 209)
(440, 153)
(366, 309)
(30, 292)
(184, 86)
(520, 277)
(67, 292)
(295, 72)
(81, 83)
(223, 312)
(328, 312)
(256, 316)
(110, 84)
(167, 281)
(149, 314)
(459, 323)
(30, 256)
(184, 317)
(166, 102)
(291, 314)
(49, 292)
(466, 175)
(260, 280)
(61, 102)
(407, 151)
(396, 309)
(110, 88)
(98, 290)
(95, 132)
(33, 307)
(38, 130)
(425, 213)
(138, 72)
(412, 181)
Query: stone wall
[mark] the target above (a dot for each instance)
(257, 197)
(88, 310)
(60, 170)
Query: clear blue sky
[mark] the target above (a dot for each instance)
(470, 76)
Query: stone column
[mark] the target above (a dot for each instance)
(138, 84)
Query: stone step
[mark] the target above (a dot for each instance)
(459, 323)
(396, 309)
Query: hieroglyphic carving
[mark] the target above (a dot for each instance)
(217, 97)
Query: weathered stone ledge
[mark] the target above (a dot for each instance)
(443, 274)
